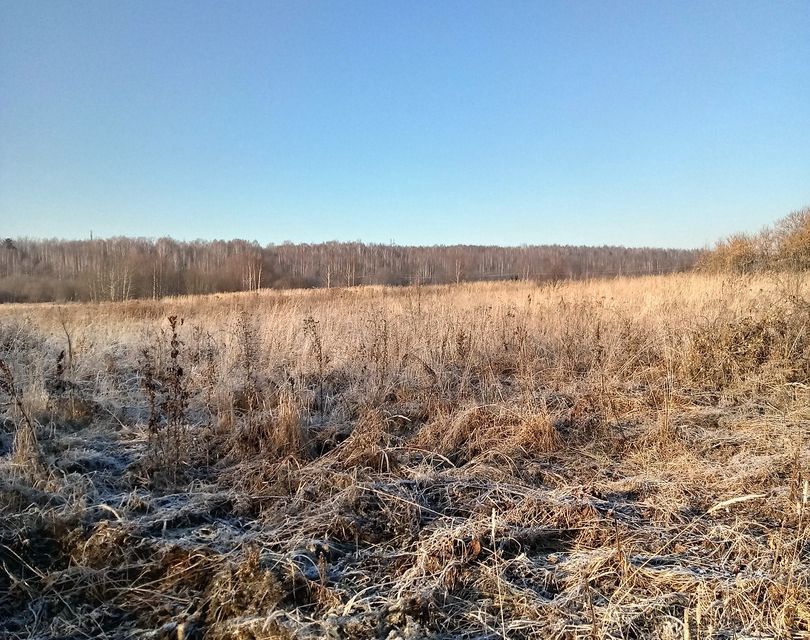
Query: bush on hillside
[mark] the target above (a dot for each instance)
(784, 247)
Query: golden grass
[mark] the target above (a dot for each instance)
(605, 459)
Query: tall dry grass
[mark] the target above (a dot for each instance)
(605, 459)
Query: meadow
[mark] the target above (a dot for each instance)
(617, 458)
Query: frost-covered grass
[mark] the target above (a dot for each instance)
(605, 459)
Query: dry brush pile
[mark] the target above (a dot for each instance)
(611, 459)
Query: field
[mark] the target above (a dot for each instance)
(623, 458)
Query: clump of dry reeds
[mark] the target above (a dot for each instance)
(166, 393)
(26, 453)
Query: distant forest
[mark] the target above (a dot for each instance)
(126, 268)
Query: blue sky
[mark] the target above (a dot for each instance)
(576, 122)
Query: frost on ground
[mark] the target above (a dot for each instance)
(612, 459)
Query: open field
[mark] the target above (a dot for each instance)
(624, 458)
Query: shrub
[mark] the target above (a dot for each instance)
(785, 247)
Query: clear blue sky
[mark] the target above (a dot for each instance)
(581, 122)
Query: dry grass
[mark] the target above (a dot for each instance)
(611, 459)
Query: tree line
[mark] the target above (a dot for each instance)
(126, 268)
(784, 246)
